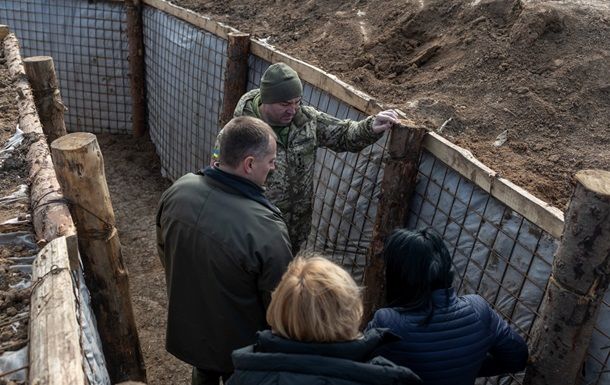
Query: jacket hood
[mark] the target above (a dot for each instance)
(356, 350)
(343, 360)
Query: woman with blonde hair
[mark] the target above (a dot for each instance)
(314, 316)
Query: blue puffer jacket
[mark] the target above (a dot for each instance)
(465, 339)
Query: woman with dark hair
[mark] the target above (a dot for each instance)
(446, 339)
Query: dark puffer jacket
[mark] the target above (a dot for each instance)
(465, 339)
(276, 360)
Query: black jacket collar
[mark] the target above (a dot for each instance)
(242, 185)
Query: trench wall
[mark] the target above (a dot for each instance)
(500, 249)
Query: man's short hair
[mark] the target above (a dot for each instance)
(316, 301)
(242, 137)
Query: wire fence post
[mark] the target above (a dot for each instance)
(135, 36)
(236, 74)
(80, 170)
(397, 186)
(581, 273)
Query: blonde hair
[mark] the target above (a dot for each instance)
(316, 301)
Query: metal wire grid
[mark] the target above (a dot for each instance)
(185, 80)
(89, 48)
(496, 252)
(345, 186)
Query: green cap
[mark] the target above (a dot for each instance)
(279, 84)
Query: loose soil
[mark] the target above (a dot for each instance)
(535, 69)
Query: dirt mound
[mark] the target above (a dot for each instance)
(535, 69)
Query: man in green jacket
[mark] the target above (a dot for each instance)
(224, 247)
(300, 131)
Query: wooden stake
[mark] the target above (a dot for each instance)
(56, 356)
(236, 74)
(397, 186)
(135, 36)
(50, 215)
(80, 171)
(581, 273)
(41, 74)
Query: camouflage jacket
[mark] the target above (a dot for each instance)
(290, 186)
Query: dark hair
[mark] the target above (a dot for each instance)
(416, 264)
(241, 137)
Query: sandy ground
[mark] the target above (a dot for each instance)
(135, 183)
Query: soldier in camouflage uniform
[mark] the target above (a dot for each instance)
(300, 131)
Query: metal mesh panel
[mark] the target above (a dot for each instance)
(185, 80)
(346, 186)
(89, 48)
(496, 252)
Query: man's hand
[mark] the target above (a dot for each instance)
(384, 120)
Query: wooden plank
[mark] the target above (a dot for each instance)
(318, 78)
(537, 211)
(547, 217)
(192, 17)
(56, 356)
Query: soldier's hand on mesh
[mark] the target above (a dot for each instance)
(384, 120)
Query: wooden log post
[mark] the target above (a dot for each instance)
(50, 215)
(135, 39)
(80, 171)
(236, 74)
(397, 186)
(56, 357)
(41, 74)
(581, 273)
